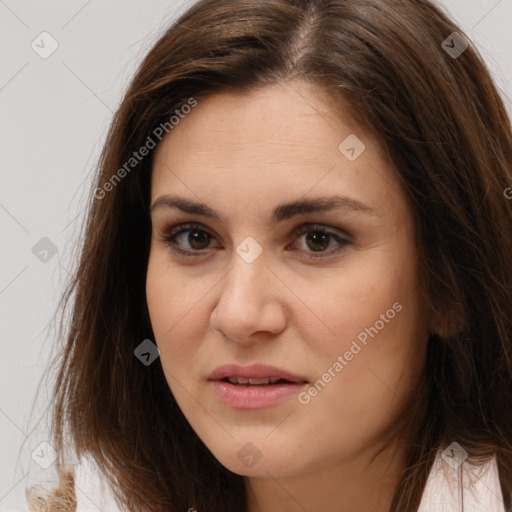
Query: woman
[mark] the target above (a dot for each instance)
(295, 283)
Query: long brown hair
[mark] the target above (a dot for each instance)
(445, 129)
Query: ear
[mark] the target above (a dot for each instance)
(448, 320)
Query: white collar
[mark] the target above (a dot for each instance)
(457, 486)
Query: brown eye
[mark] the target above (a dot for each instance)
(189, 239)
(317, 241)
(199, 239)
(314, 240)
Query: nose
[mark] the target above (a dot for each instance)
(250, 306)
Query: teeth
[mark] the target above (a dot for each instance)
(264, 380)
(255, 382)
(238, 380)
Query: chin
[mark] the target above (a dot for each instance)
(250, 461)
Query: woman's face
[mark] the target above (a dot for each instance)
(282, 238)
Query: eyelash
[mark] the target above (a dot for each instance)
(173, 232)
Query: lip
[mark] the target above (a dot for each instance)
(254, 397)
(255, 371)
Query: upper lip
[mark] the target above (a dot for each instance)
(254, 371)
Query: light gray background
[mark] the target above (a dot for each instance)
(54, 117)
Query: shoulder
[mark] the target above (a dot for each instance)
(454, 483)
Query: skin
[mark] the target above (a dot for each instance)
(243, 155)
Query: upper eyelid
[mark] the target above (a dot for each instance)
(189, 226)
(300, 230)
(186, 226)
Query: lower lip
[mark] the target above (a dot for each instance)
(254, 397)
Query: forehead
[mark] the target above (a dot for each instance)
(282, 120)
(273, 141)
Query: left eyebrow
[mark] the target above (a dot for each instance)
(280, 213)
(291, 209)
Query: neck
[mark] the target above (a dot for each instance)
(364, 481)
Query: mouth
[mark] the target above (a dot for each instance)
(248, 381)
(256, 374)
(254, 387)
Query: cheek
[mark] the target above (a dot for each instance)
(174, 304)
(375, 351)
(378, 354)
(353, 301)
